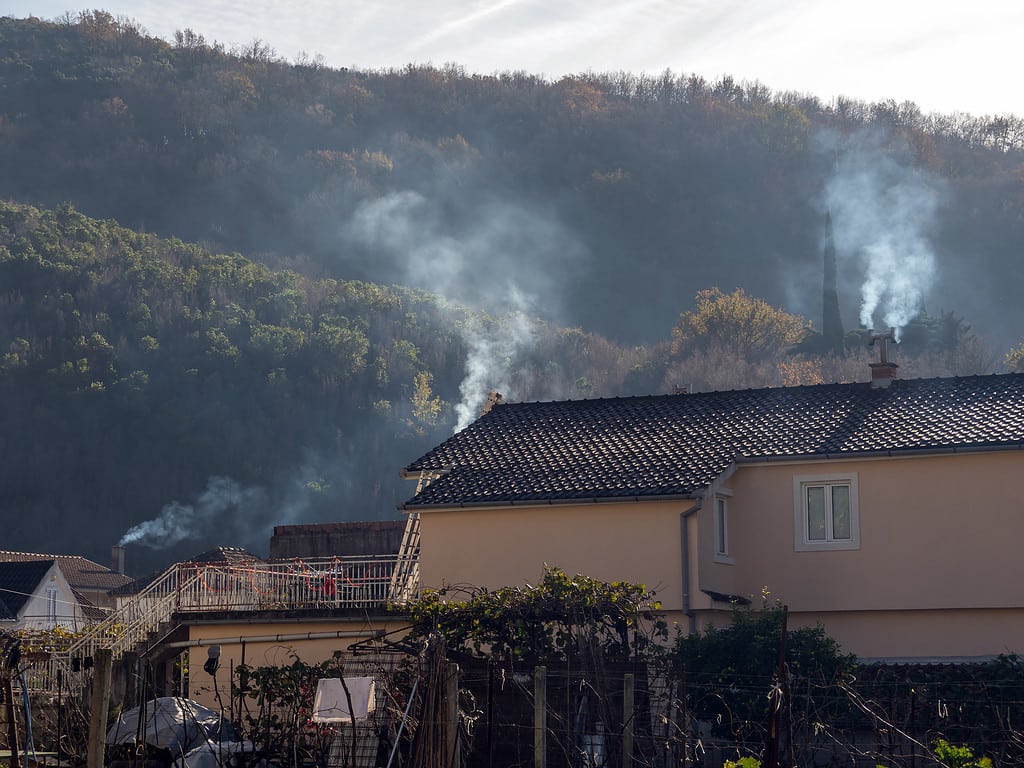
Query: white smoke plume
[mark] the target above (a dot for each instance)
(490, 354)
(177, 522)
(503, 257)
(884, 212)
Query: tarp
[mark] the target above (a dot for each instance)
(196, 736)
(331, 702)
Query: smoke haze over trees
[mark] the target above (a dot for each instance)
(548, 238)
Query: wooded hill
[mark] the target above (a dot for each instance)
(139, 371)
(548, 235)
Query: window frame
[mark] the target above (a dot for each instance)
(802, 541)
(52, 598)
(720, 534)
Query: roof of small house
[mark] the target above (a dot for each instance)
(676, 445)
(18, 582)
(227, 555)
(80, 572)
(6, 614)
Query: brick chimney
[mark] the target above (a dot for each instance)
(883, 372)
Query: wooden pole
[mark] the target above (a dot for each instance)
(772, 754)
(490, 714)
(102, 668)
(540, 711)
(452, 705)
(684, 722)
(628, 685)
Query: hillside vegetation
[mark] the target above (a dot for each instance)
(135, 369)
(238, 292)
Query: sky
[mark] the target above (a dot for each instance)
(944, 56)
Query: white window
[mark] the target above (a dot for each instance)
(722, 553)
(51, 605)
(826, 512)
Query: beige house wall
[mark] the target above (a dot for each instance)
(937, 573)
(939, 566)
(274, 653)
(504, 546)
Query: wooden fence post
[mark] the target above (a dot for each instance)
(102, 660)
(452, 702)
(540, 716)
(628, 685)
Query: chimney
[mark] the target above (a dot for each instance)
(883, 372)
(117, 559)
(493, 398)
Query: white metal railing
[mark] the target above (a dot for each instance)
(338, 582)
(134, 620)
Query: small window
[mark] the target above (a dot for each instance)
(51, 605)
(826, 514)
(722, 530)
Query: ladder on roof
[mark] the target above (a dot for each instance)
(405, 579)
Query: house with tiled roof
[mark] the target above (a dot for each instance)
(889, 511)
(92, 582)
(35, 595)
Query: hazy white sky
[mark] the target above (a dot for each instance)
(945, 56)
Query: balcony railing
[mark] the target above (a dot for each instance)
(338, 582)
(335, 583)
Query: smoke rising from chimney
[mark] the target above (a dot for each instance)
(177, 522)
(884, 212)
(506, 258)
(490, 351)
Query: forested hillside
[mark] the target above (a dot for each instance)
(237, 291)
(139, 371)
(593, 195)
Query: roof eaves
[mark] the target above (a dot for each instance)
(551, 502)
(881, 453)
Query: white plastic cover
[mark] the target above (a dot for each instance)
(331, 704)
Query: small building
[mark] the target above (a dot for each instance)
(34, 595)
(360, 538)
(93, 583)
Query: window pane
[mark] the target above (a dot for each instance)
(720, 544)
(840, 512)
(816, 513)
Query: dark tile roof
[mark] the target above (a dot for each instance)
(80, 572)
(675, 445)
(89, 609)
(19, 580)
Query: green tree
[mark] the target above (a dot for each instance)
(426, 409)
(1014, 359)
(743, 324)
(729, 671)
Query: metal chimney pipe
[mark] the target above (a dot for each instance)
(117, 553)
